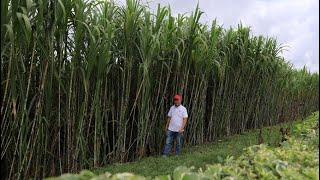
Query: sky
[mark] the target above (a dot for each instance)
(294, 23)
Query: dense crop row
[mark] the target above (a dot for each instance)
(297, 158)
(89, 83)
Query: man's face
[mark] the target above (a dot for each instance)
(177, 102)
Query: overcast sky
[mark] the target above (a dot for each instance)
(295, 23)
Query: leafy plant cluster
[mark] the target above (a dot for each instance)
(296, 158)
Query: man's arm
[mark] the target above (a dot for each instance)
(185, 117)
(167, 124)
(168, 119)
(183, 124)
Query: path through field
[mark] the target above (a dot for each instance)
(272, 161)
(199, 156)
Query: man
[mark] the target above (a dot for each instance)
(176, 121)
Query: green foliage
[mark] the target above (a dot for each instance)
(84, 175)
(197, 156)
(296, 158)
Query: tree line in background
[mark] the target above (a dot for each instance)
(85, 84)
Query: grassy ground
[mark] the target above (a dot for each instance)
(198, 156)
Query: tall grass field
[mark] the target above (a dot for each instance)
(86, 84)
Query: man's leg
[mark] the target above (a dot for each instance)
(179, 143)
(169, 139)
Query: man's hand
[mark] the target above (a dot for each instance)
(181, 131)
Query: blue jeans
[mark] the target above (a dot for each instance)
(171, 135)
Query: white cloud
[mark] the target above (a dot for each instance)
(295, 23)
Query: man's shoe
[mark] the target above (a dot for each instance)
(164, 156)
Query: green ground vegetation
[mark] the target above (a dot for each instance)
(237, 156)
(197, 156)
